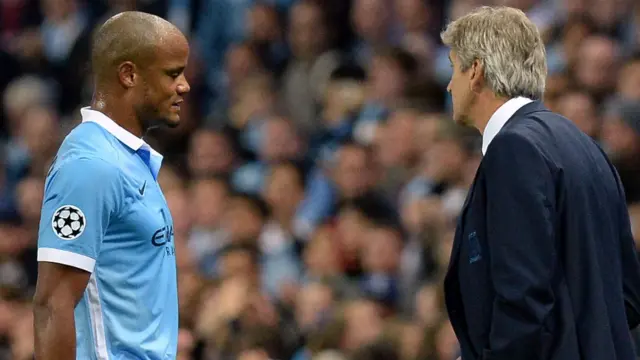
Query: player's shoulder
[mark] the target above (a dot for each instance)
(85, 169)
(87, 154)
(90, 140)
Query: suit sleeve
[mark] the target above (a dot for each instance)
(630, 263)
(80, 198)
(522, 247)
(631, 274)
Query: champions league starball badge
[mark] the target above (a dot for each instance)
(68, 222)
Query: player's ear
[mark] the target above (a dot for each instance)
(476, 76)
(127, 74)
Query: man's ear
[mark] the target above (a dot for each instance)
(476, 76)
(127, 74)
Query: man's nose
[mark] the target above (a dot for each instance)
(183, 87)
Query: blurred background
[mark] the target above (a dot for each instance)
(316, 178)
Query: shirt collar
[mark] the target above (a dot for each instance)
(499, 118)
(127, 138)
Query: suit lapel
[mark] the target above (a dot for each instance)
(534, 106)
(457, 240)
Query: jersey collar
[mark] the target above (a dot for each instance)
(127, 138)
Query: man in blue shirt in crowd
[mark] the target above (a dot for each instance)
(107, 286)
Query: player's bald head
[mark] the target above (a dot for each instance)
(129, 36)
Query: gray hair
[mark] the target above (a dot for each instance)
(509, 46)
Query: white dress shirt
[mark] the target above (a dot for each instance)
(499, 118)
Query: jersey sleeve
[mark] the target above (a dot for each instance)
(81, 197)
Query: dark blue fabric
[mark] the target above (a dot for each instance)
(543, 264)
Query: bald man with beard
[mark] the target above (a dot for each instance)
(107, 285)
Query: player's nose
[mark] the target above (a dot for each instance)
(183, 87)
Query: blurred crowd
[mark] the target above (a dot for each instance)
(316, 178)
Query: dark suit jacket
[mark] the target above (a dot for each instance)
(543, 264)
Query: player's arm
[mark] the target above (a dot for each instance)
(59, 289)
(521, 243)
(81, 196)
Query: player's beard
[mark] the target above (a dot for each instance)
(150, 114)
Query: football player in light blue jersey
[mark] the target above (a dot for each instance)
(107, 286)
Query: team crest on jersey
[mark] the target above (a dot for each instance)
(68, 222)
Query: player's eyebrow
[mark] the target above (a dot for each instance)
(174, 70)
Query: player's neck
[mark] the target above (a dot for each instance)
(124, 116)
(485, 109)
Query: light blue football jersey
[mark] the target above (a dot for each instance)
(104, 212)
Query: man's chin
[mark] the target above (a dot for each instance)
(173, 123)
(459, 120)
(463, 121)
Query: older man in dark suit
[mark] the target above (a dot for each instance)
(543, 263)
